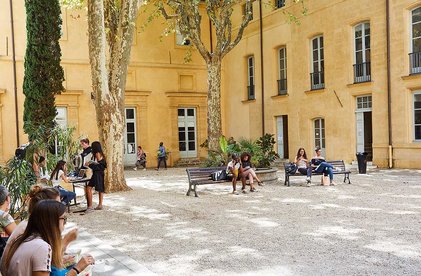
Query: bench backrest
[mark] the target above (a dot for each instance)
(335, 163)
(194, 173)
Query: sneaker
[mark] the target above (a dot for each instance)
(244, 191)
(260, 183)
(333, 183)
(144, 169)
(235, 193)
(135, 169)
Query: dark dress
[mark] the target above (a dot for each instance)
(97, 179)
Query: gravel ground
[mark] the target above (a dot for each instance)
(371, 227)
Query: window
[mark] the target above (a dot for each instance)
(282, 81)
(245, 12)
(319, 133)
(417, 116)
(180, 39)
(279, 3)
(317, 76)
(415, 56)
(61, 117)
(364, 102)
(250, 78)
(362, 66)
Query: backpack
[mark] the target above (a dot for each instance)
(219, 175)
(290, 168)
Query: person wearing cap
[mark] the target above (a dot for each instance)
(7, 223)
(233, 168)
(319, 165)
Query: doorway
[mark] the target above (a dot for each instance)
(282, 136)
(364, 128)
(187, 142)
(130, 136)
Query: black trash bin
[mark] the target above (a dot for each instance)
(362, 162)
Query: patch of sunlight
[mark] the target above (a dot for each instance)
(339, 231)
(401, 212)
(295, 200)
(346, 197)
(396, 247)
(354, 208)
(264, 222)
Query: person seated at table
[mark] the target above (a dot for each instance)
(233, 168)
(38, 251)
(319, 165)
(40, 169)
(248, 172)
(57, 176)
(37, 193)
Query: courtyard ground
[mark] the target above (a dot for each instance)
(370, 227)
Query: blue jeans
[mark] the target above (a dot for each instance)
(65, 195)
(326, 168)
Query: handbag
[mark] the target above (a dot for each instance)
(219, 175)
(325, 180)
(290, 168)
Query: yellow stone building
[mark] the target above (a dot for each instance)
(345, 78)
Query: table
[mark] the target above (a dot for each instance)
(80, 183)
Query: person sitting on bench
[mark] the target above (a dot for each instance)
(58, 175)
(248, 172)
(302, 164)
(319, 164)
(233, 168)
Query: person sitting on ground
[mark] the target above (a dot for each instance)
(302, 164)
(233, 168)
(57, 176)
(248, 172)
(319, 164)
(38, 251)
(37, 193)
(141, 159)
(7, 223)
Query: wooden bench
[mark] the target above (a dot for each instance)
(202, 176)
(338, 168)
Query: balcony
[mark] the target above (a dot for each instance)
(317, 80)
(415, 63)
(282, 87)
(250, 93)
(280, 3)
(362, 72)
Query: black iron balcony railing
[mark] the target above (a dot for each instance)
(317, 80)
(282, 87)
(415, 63)
(362, 72)
(250, 92)
(280, 3)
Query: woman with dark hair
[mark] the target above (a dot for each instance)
(248, 172)
(37, 193)
(57, 176)
(38, 251)
(98, 166)
(302, 164)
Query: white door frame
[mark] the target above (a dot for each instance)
(359, 122)
(280, 136)
(321, 140)
(130, 149)
(190, 135)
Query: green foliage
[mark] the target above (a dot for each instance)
(17, 176)
(250, 146)
(266, 154)
(43, 73)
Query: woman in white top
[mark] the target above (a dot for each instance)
(58, 175)
(302, 164)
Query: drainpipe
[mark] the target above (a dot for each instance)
(262, 75)
(389, 97)
(15, 86)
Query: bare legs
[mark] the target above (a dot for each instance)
(89, 198)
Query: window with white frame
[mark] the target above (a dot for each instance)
(250, 78)
(61, 117)
(317, 66)
(180, 39)
(282, 78)
(364, 102)
(362, 66)
(417, 116)
(415, 55)
(319, 133)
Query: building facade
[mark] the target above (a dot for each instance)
(345, 77)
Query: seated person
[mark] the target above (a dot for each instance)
(141, 159)
(302, 164)
(58, 175)
(40, 170)
(248, 172)
(7, 223)
(233, 168)
(319, 164)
